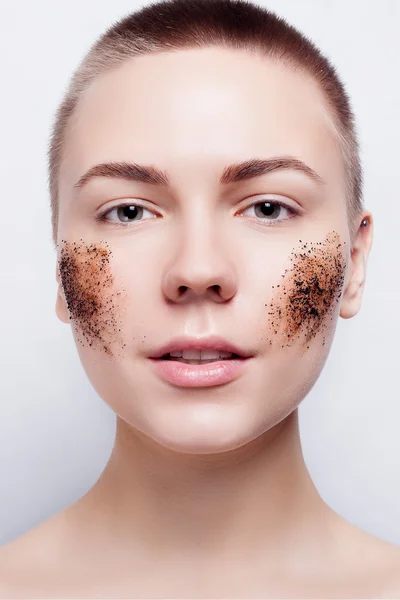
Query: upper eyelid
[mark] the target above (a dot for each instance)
(145, 204)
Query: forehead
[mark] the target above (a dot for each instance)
(201, 107)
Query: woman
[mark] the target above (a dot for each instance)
(203, 327)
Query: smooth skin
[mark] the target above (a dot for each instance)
(206, 493)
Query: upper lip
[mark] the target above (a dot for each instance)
(205, 343)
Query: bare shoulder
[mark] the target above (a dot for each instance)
(24, 559)
(377, 560)
(391, 587)
(35, 542)
(34, 565)
(391, 584)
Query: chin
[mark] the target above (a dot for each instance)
(206, 428)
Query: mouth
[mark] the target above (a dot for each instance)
(201, 360)
(211, 348)
(194, 372)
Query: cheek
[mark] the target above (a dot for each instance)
(92, 300)
(304, 301)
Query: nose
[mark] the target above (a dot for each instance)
(201, 269)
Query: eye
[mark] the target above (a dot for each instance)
(125, 213)
(269, 211)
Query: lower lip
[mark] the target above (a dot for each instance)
(209, 374)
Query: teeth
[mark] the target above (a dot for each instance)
(200, 354)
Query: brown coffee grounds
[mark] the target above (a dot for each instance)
(302, 303)
(88, 287)
(310, 289)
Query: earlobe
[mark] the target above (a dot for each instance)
(354, 287)
(62, 311)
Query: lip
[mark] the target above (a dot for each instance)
(207, 343)
(210, 374)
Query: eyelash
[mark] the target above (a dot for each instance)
(102, 217)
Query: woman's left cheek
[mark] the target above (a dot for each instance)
(304, 301)
(93, 302)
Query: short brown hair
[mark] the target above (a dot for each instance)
(171, 25)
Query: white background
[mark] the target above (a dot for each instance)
(56, 434)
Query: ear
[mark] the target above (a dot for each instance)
(62, 311)
(353, 290)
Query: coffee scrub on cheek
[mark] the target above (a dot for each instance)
(91, 295)
(310, 289)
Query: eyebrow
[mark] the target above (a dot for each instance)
(234, 173)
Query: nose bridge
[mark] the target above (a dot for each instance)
(198, 233)
(201, 260)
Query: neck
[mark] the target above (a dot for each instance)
(257, 498)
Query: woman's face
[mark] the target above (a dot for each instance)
(199, 257)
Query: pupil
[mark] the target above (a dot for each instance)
(128, 212)
(268, 208)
